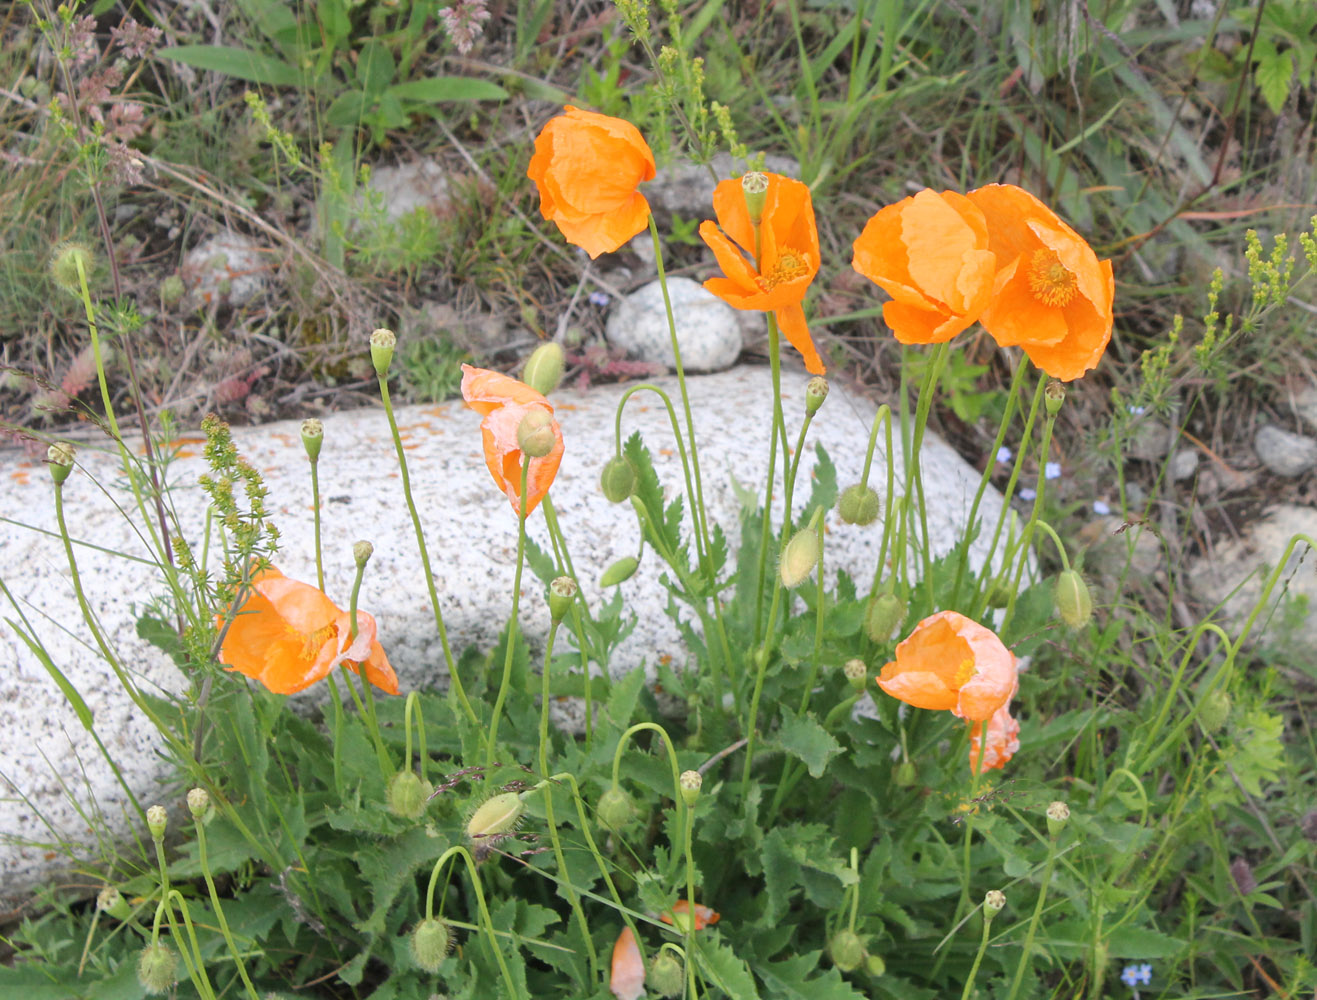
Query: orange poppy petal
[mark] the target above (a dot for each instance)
(378, 669)
(485, 390)
(600, 234)
(1016, 316)
(740, 272)
(997, 740)
(950, 662)
(791, 321)
(922, 326)
(732, 214)
(627, 978)
(704, 915)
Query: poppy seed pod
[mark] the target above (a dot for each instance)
(1053, 397)
(691, 782)
(799, 557)
(382, 343)
(994, 901)
(313, 436)
(562, 591)
(618, 480)
(859, 504)
(754, 188)
(198, 803)
(110, 900)
(615, 809)
(59, 457)
(846, 949)
(1073, 602)
(65, 263)
(544, 367)
(157, 968)
(619, 572)
(430, 944)
(156, 821)
(857, 674)
(408, 794)
(667, 975)
(883, 616)
(1058, 814)
(816, 391)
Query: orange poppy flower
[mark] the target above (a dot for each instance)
(704, 916)
(288, 635)
(1051, 296)
(586, 167)
(627, 981)
(503, 402)
(951, 662)
(788, 256)
(1003, 740)
(929, 252)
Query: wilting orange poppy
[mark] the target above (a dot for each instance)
(503, 402)
(1002, 740)
(586, 167)
(288, 635)
(627, 981)
(788, 256)
(704, 916)
(952, 662)
(929, 252)
(1051, 296)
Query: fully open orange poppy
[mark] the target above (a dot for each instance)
(929, 252)
(627, 978)
(999, 739)
(788, 256)
(952, 662)
(288, 635)
(1051, 296)
(503, 402)
(586, 167)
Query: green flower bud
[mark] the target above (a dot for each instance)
(690, 782)
(535, 435)
(495, 818)
(666, 975)
(156, 821)
(799, 557)
(1073, 603)
(905, 774)
(859, 504)
(754, 187)
(313, 436)
(361, 553)
(382, 343)
(618, 479)
(1058, 814)
(544, 368)
(65, 263)
(430, 944)
(110, 900)
(874, 965)
(846, 949)
(615, 809)
(816, 391)
(994, 901)
(408, 794)
(1054, 396)
(562, 591)
(999, 593)
(1214, 710)
(198, 803)
(619, 572)
(157, 968)
(59, 459)
(883, 616)
(857, 674)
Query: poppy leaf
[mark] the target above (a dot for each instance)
(807, 741)
(720, 964)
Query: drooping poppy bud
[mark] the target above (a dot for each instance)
(619, 572)
(615, 809)
(544, 367)
(1214, 710)
(493, 820)
(883, 616)
(846, 949)
(800, 557)
(618, 479)
(408, 794)
(1073, 603)
(64, 264)
(667, 975)
(157, 968)
(859, 504)
(431, 942)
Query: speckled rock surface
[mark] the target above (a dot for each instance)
(1284, 452)
(405, 187)
(707, 329)
(229, 269)
(470, 530)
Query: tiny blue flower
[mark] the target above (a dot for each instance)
(1027, 493)
(1101, 507)
(599, 299)
(1138, 411)
(1052, 470)
(1145, 974)
(1130, 977)
(1003, 454)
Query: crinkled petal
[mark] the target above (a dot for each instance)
(627, 978)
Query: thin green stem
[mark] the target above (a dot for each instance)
(579, 614)
(219, 911)
(968, 991)
(505, 683)
(914, 467)
(766, 530)
(1026, 536)
(1033, 921)
(486, 923)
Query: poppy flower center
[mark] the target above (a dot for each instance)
(788, 267)
(963, 673)
(314, 642)
(1051, 282)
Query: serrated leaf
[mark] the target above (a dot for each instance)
(729, 973)
(241, 64)
(648, 489)
(540, 562)
(1273, 75)
(824, 479)
(807, 741)
(781, 875)
(787, 979)
(387, 867)
(622, 699)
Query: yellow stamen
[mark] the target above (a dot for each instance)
(964, 672)
(313, 643)
(1050, 281)
(788, 266)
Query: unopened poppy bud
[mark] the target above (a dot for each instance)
(198, 803)
(994, 901)
(874, 965)
(859, 504)
(544, 368)
(999, 593)
(430, 944)
(1214, 710)
(157, 968)
(905, 774)
(408, 794)
(110, 900)
(59, 457)
(666, 975)
(800, 557)
(618, 479)
(846, 949)
(535, 435)
(690, 782)
(619, 572)
(1058, 813)
(816, 391)
(754, 186)
(496, 817)
(857, 674)
(361, 553)
(156, 821)
(64, 263)
(313, 436)
(382, 343)
(562, 591)
(883, 616)
(1073, 603)
(1054, 396)
(615, 809)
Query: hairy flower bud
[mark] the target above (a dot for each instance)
(562, 591)
(690, 782)
(1214, 710)
(313, 436)
(994, 901)
(619, 572)
(382, 343)
(875, 965)
(1058, 814)
(156, 820)
(535, 435)
(799, 557)
(883, 616)
(615, 809)
(666, 975)
(905, 774)
(618, 479)
(408, 794)
(816, 391)
(157, 968)
(65, 263)
(846, 949)
(59, 458)
(430, 944)
(544, 368)
(1074, 605)
(493, 820)
(859, 504)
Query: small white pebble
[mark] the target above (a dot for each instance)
(1101, 507)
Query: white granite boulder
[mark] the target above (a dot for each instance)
(707, 329)
(50, 760)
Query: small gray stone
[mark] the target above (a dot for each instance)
(408, 186)
(1149, 441)
(707, 328)
(1283, 452)
(1184, 463)
(229, 269)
